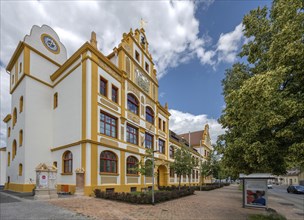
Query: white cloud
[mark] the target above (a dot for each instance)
(182, 122)
(172, 29)
(229, 44)
(5, 106)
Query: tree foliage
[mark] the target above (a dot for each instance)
(264, 113)
(183, 163)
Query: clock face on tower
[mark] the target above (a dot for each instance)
(50, 43)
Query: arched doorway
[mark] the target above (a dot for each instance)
(162, 177)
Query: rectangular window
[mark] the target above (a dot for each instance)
(164, 126)
(159, 123)
(103, 86)
(132, 134)
(20, 67)
(114, 94)
(171, 172)
(149, 141)
(55, 100)
(147, 67)
(161, 145)
(110, 190)
(137, 56)
(108, 125)
(133, 189)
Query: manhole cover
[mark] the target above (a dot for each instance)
(284, 203)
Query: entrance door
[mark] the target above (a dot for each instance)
(162, 177)
(79, 182)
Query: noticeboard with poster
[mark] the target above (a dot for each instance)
(256, 192)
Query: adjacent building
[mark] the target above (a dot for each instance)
(91, 116)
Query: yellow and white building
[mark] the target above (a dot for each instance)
(90, 115)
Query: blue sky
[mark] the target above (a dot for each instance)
(192, 43)
(196, 88)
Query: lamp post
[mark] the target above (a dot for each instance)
(153, 176)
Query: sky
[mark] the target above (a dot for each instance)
(192, 44)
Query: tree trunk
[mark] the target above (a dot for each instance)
(179, 182)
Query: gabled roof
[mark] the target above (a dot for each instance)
(195, 137)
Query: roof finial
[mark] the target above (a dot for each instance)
(93, 40)
(142, 23)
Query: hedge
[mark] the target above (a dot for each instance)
(144, 198)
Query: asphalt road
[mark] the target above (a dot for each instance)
(280, 191)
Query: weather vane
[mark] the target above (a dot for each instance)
(142, 23)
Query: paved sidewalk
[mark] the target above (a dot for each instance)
(13, 207)
(224, 203)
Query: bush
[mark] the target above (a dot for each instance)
(145, 198)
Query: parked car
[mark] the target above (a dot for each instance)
(269, 186)
(297, 189)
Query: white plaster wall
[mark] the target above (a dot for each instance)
(13, 169)
(71, 66)
(38, 133)
(3, 164)
(67, 116)
(20, 60)
(19, 74)
(41, 68)
(117, 152)
(57, 156)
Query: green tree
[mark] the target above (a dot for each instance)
(145, 166)
(264, 113)
(182, 163)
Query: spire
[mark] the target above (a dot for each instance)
(93, 40)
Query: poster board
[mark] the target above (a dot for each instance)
(256, 193)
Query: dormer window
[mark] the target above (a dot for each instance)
(137, 56)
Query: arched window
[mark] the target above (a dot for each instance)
(14, 147)
(133, 104)
(148, 168)
(8, 159)
(21, 104)
(67, 162)
(14, 117)
(171, 153)
(132, 164)
(108, 162)
(149, 115)
(9, 132)
(20, 137)
(20, 169)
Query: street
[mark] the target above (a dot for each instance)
(280, 191)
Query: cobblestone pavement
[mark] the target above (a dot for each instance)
(13, 207)
(224, 203)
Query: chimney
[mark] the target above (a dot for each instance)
(93, 40)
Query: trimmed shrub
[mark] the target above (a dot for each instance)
(144, 198)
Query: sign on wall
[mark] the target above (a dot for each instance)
(43, 180)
